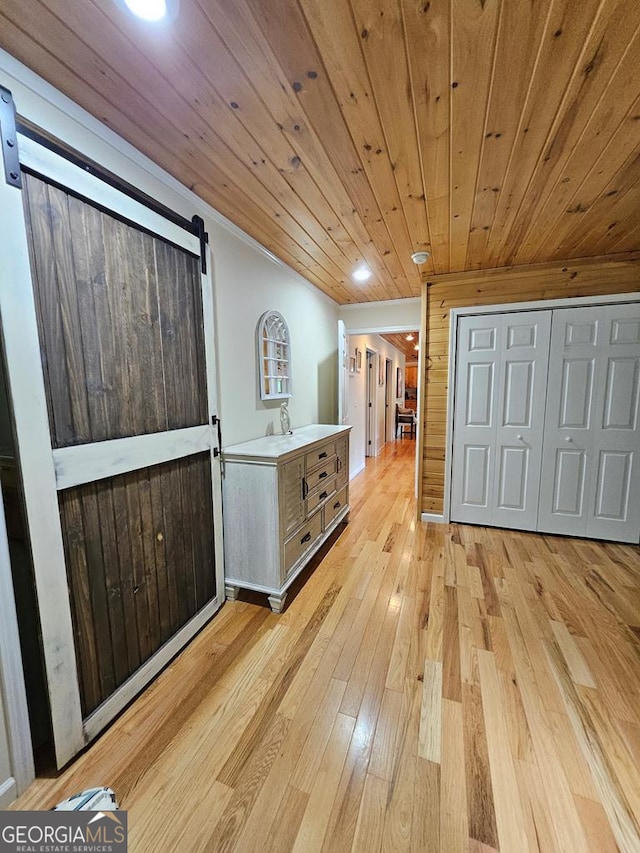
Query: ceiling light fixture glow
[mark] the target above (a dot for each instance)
(409, 337)
(361, 274)
(148, 10)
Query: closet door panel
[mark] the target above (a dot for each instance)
(499, 418)
(524, 352)
(568, 438)
(478, 363)
(590, 475)
(614, 484)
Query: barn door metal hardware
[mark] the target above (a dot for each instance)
(215, 421)
(9, 139)
(201, 234)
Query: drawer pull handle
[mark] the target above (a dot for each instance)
(323, 495)
(305, 538)
(336, 505)
(339, 464)
(323, 455)
(323, 475)
(305, 488)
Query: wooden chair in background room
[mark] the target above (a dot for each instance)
(404, 418)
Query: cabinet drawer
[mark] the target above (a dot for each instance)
(335, 506)
(319, 455)
(301, 541)
(317, 479)
(320, 495)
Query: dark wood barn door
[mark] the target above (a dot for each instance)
(125, 347)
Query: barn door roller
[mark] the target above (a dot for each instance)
(9, 140)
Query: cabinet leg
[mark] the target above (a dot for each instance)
(277, 602)
(231, 592)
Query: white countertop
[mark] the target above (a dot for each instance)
(277, 446)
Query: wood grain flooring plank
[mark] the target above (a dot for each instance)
(368, 835)
(454, 821)
(304, 774)
(480, 808)
(430, 736)
(316, 816)
(508, 810)
(425, 836)
(383, 751)
(209, 757)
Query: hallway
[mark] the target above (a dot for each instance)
(428, 688)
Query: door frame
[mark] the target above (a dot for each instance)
(44, 470)
(389, 413)
(371, 386)
(501, 308)
(13, 692)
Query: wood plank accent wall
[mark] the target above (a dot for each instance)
(140, 561)
(587, 277)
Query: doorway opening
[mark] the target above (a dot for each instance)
(370, 397)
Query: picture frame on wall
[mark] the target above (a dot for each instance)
(398, 382)
(352, 365)
(358, 360)
(381, 369)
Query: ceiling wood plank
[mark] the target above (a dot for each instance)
(567, 30)
(284, 26)
(589, 114)
(618, 143)
(383, 46)
(522, 27)
(496, 134)
(428, 39)
(304, 151)
(338, 41)
(475, 27)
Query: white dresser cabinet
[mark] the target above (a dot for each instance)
(284, 495)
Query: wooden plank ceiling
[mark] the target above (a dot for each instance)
(400, 342)
(340, 132)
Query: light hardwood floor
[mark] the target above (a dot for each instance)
(429, 688)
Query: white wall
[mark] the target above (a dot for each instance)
(357, 390)
(247, 284)
(392, 315)
(248, 280)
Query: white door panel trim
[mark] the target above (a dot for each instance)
(84, 463)
(65, 173)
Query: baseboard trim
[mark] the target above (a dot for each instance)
(357, 471)
(434, 519)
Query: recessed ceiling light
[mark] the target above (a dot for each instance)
(363, 273)
(148, 10)
(409, 337)
(417, 346)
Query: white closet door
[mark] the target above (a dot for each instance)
(590, 474)
(499, 418)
